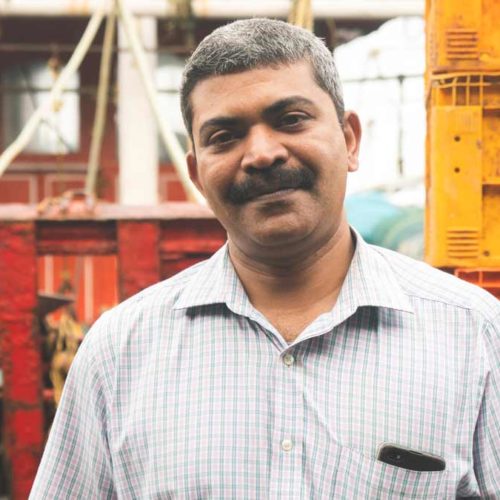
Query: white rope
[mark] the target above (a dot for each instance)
(169, 138)
(71, 67)
(101, 105)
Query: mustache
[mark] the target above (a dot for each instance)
(270, 181)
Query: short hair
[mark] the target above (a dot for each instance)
(255, 43)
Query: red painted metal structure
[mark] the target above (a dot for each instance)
(150, 243)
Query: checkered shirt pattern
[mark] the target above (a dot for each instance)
(186, 391)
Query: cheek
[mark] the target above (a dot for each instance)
(218, 174)
(324, 152)
(215, 186)
(332, 185)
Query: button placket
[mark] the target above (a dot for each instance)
(285, 475)
(287, 444)
(288, 359)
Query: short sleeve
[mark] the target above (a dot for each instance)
(487, 433)
(76, 462)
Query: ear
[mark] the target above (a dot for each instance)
(352, 134)
(192, 165)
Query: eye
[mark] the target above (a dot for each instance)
(221, 137)
(292, 119)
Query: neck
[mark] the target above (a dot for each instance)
(305, 282)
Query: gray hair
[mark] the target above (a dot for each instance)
(256, 43)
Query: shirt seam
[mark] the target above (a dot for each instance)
(455, 305)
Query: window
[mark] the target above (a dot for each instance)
(25, 87)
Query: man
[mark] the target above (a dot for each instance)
(280, 367)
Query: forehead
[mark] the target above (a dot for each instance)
(247, 91)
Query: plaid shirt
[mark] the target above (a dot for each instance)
(185, 391)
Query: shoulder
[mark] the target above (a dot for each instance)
(140, 318)
(160, 296)
(424, 283)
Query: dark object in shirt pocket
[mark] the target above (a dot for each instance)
(406, 458)
(362, 476)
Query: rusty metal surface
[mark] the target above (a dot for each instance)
(151, 243)
(21, 362)
(72, 203)
(182, 245)
(75, 237)
(138, 258)
(111, 211)
(200, 236)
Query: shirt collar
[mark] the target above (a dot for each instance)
(370, 281)
(216, 282)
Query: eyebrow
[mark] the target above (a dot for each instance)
(272, 110)
(279, 106)
(219, 122)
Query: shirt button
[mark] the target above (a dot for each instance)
(286, 444)
(288, 359)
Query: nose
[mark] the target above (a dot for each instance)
(263, 149)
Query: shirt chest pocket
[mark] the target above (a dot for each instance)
(362, 477)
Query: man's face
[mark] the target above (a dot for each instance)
(271, 157)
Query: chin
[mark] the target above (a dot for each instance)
(280, 236)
